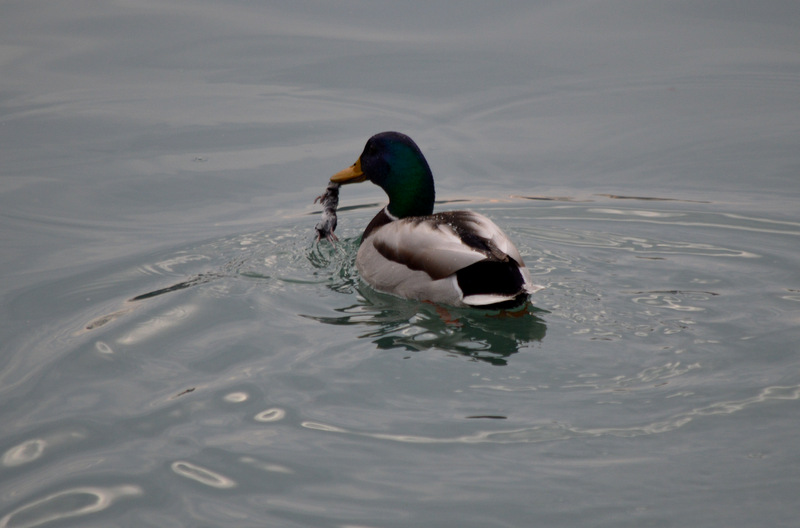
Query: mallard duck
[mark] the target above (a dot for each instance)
(459, 258)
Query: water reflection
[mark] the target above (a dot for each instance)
(270, 415)
(68, 503)
(202, 475)
(25, 452)
(394, 323)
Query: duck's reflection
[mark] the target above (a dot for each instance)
(393, 323)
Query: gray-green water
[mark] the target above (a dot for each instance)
(175, 350)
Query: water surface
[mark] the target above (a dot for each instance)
(177, 350)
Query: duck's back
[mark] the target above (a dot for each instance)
(458, 257)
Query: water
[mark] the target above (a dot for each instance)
(177, 351)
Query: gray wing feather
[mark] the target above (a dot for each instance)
(444, 243)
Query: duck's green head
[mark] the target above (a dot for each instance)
(394, 162)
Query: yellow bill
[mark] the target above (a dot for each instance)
(352, 174)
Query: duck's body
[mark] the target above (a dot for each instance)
(459, 258)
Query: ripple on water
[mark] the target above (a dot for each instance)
(25, 452)
(236, 397)
(270, 415)
(553, 431)
(202, 475)
(35, 448)
(642, 246)
(595, 285)
(285, 259)
(73, 502)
